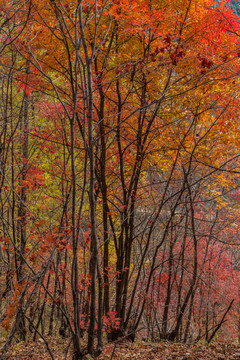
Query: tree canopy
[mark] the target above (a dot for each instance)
(119, 171)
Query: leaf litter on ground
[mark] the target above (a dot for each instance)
(127, 350)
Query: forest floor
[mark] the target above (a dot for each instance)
(126, 350)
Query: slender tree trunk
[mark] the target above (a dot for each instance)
(22, 222)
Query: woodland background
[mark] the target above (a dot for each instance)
(119, 172)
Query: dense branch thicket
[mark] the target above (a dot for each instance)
(119, 170)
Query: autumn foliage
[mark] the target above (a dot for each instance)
(119, 169)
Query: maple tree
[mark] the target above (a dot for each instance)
(119, 156)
